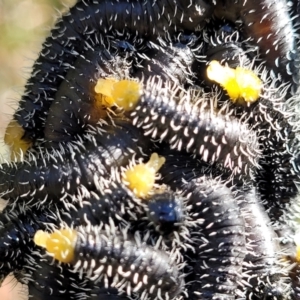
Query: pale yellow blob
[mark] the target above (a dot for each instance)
(14, 139)
(103, 90)
(242, 85)
(141, 178)
(297, 242)
(60, 244)
(298, 254)
(123, 93)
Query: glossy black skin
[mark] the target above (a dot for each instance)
(276, 179)
(75, 105)
(266, 23)
(52, 177)
(95, 246)
(262, 263)
(219, 205)
(92, 20)
(220, 256)
(206, 127)
(49, 281)
(17, 228)
(115, 203)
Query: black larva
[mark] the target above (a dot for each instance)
(47, 280)
(113, 201)
(132, 266)
(55, 175)
(17, 229)
(220, 244)
(264, 267)
(169, 62)
(199, 129)
(268, 24)
(87, 19)
(183, 167)
(110, 201)
(75, 104)
(219, 266)
(270, 116)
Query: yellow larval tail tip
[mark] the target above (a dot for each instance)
(60, 244)
(297, 242)
(14, 139)
(242, 85)
(123, 93)
(141, 177)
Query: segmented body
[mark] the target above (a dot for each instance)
(52, 177)
(276, 179)
(95, 19)
(267, 23)
(265, 271)
(219, 256)
(47, 280)
(216, 229)
(76, 105)
(17, 229)
(145, 270)
(213, 136)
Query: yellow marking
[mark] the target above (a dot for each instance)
(60, 244)
(14, 139)
(297, 242)
(242, 85)
(123, 93)
(141, 177)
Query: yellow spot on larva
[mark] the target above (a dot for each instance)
(123, 93)
(141, 177)
(60, 244)
(14, 139)
(242, 85)
(297, 242)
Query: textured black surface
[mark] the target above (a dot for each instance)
(230, 173)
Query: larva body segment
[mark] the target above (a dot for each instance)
(150, 273)
(172, 62)
(276, 179)
(86, 19)
(263, 267)
(51, 177)
(220, 244)
(277, 183)
(75, 104)
(182, 167)
(270, 114)
(198, 129)
(101, 293)
(17, 229)
(268, 24)
(47, 280)
(112, 202)
(228, 248)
